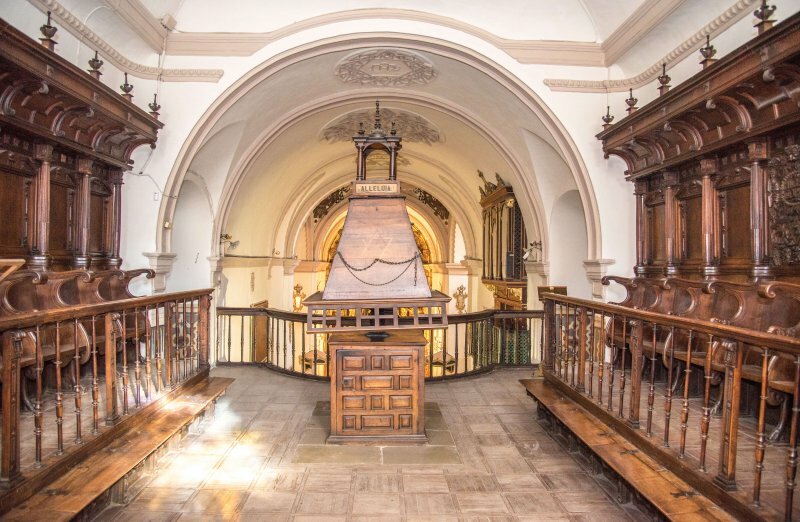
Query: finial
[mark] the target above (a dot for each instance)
(631, 101)
(763, 13)
(48, 31)
(126, 89)
(95, 64)
(361, 128)
(377, 131)
(663, 80)
(607, 118)
(393, 132)
(708, 53)
(154, 106)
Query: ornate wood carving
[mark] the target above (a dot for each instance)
(783, 174)
(63, 134)
(726, 131)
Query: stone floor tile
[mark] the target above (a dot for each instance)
(323, 504)
(377, 483)
(424, 483)
(429, 504)
(338, 482)
(485, 503)
(215, 501)
(533, 503)
(268, 502)
(420, 455)
(337, 455)
(376, 504)
(471, 483)
(279, 480)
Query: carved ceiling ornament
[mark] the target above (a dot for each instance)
(412, 127)
(385, 68)
(783, 191)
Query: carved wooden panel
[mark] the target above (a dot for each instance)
(377, 387)
(784, 206)
(656, 246)
(15, 202)
(735, 221)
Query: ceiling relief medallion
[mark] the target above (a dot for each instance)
(385, 68)
(412, 127)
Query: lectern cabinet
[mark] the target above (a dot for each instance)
(377, 387)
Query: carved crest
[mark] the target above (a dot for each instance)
(385, 68)
(783, 192)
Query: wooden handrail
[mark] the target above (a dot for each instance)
(12, 265)
(76, 312)
(782, 343)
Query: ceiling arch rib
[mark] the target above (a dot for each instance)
(506, 94)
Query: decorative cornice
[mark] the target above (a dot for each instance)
(72, 24)
(636, 26)
(143, 23)
(716, 26)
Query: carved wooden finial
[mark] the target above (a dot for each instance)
(631, 101)
(607, 118)
(95, 64)
(154, 106)
(663, 80)
(763, 14)
(48, 31)
(708, 53)
(126, 89)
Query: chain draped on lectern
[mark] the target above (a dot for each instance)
(408, 262)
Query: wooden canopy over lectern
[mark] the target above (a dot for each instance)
(376, 303)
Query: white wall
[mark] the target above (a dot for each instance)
(568, 229)
(192, 230)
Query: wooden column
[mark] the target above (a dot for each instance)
(114, 260)
(711, 253)
(640, 189)
(81, 257)
(757, 154)
(670, 221)
(732, 386)
(40, 258)
(110, 333)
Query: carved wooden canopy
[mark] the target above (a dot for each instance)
(45, 97)
(748, 93)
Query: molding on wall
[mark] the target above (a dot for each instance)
(139, 18)
(716, 26)
(636, 26)
(72, 24)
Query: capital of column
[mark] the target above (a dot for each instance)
(473, 266)
(596, 269)
(289, 266)
(161, 263)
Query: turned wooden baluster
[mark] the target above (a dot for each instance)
(124, 341)
(548, 350)
(148, 370)
(59, 395)
(169, 332)
(38, 409)
(203, 334)
(637, 361)
(558, 336)
(726, 477)
(9, 460)
(137, 369)
(157, 349)
(791, 461)
(95, 382)
(706, 420)
(112, 415)
(601, 362)
(761, 439)
(78, 389)
(651, 393)
(685, 406)
(622, 365)
(583, 323)
(668, 388)
(591, 351)
(612, 356)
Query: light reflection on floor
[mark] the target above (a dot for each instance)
(489, 460)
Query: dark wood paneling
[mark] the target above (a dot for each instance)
(14, 201)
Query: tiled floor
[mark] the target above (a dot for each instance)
(263, 457)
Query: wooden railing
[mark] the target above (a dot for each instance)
(471, 343)
(69, 375)
(717, 404)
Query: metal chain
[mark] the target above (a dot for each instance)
(408, 262)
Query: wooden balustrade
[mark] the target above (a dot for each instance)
(470, 344)
(85, 368)
(700, 397)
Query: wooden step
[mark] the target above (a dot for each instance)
(67, 497)
(664, 490)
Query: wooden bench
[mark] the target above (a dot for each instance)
(665, 491)
(75, 494)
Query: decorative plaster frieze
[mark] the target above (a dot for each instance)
(412, 127)
(385, 68)
(72, 24)
(716, 26)
(143, 23)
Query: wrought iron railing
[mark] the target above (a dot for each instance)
(471, 343)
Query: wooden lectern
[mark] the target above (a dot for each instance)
(376, 303)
